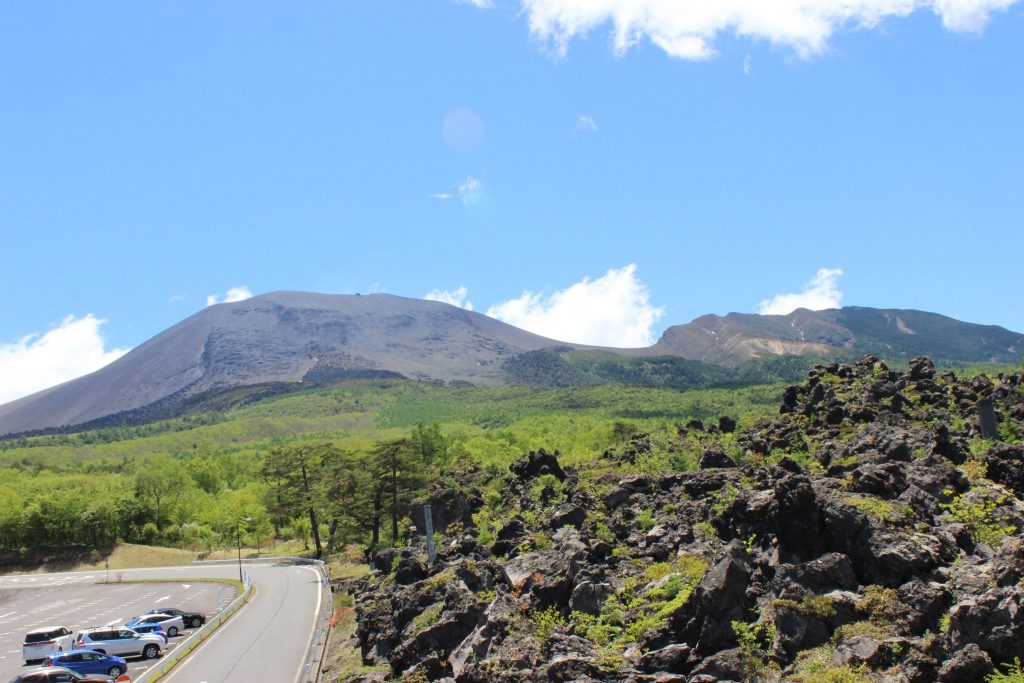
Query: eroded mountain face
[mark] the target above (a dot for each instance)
(869, 533)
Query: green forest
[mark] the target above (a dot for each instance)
(328, 466)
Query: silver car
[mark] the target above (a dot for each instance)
(122, 642)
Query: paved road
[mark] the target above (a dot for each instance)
(76, 601)
(266, 641)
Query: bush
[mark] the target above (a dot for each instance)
(1012, 673)
(976, 510)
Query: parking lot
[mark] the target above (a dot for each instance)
(78, 601)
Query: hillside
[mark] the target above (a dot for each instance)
(276, 343)
(893, 334)
(282, 337)
(869, 532)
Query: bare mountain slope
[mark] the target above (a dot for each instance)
(896, 334)
(280, 337)
(288, 337)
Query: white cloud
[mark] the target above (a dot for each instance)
(479, 4)
(584, 124)
(688, 29)
(613, 310)
(470, 191)
(746, 65)
(817, 295)
(455, 297)
(443, 196)
(36, 362)
(240, 293)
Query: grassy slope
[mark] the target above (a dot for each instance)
(363, 411)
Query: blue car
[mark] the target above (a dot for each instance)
(88, 662)
(155, 629)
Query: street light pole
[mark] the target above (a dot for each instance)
(238, 536)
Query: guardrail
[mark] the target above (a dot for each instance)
(321, 636)
(158, 670)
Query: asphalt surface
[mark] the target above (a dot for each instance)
(267, 640)
(76, 601)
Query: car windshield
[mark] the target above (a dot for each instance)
(39, 636)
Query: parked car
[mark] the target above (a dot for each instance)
(191, 619)
(155, 629)
(41, 642)
(122, 642)
(57, 674)
(88, 662)
(172, 625)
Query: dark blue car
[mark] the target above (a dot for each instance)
(88, 662)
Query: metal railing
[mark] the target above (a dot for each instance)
(158, 670)
(321, 636)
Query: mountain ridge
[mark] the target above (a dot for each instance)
(290, 337)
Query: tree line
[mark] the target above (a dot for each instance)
(323, 493)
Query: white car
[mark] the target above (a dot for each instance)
(42, 642)
(122, 642)
(172, 625)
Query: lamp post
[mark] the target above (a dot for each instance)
(238, 536)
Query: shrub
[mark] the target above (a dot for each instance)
(645, 521)
(425, 619)
(880, 604)
(976, 510)
(1012, 673)
(546, 621)
(819, 606)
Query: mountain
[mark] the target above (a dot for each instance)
(282, 337)
(278, 341)
(894, 334)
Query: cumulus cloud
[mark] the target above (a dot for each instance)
(612, 310)
(36, 362)
(455, 297)
(584, 124)
(240, 293)
(688, 29)
(817, 295)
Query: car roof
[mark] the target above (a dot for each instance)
(73, 652)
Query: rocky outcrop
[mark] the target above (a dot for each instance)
(872, 527)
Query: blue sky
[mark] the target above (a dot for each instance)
(625, 174)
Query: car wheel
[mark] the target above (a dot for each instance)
(197, 622)
(150, 652)
(114, 671)
(172, 631)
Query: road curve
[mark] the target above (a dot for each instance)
(268, 639)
